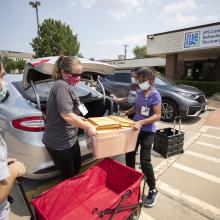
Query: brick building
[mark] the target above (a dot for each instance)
(191, 53)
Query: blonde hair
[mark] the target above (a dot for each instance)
(67, 64)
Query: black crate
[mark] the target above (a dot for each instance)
(168, 141)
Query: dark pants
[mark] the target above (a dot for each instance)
(145, 139)
(68, 161)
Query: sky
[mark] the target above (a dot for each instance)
(103, 26)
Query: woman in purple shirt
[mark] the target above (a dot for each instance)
(147, 111)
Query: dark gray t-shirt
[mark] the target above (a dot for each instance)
(59, 135)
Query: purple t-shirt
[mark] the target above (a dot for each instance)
(147, 103)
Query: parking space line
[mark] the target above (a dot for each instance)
(211, 136)
(200, 206)
(202, 156)
(208, 145)
(163, 166)
(206, 127)
(197, 172)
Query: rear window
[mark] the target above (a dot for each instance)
(81, 90)
(120, 77)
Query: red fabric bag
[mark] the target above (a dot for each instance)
(83, 197)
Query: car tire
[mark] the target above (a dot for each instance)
(169, 110)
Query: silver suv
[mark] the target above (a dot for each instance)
(183, 100)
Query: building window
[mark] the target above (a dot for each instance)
(200, 70)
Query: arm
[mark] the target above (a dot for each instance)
(5, 187)
(77, 121)
(65, 108)
(118, 100)
(155, 117)
(16, 169)
(121, 100)
(130, 111)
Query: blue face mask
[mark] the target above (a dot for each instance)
(144, 86)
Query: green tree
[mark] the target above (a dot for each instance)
(20, 65)
(9, 65)
(140, 52)
(55, 38)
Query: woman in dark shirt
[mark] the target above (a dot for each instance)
(63, 120)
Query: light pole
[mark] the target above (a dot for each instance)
(125, 50)
(35, 5)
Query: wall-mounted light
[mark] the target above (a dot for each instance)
(150, 37)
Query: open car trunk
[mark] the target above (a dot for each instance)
(37, 82)
(39, 70)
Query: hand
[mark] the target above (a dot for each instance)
(113, 97)
(137, 125)
(17, 169)
(124, 114)
(92, 131)
(82, 118)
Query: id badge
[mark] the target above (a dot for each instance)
(145, 111)
(82, 108)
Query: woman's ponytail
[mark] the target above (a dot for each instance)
(57, 68)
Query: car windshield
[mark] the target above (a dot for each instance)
(162, 81)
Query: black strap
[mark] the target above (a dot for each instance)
(20, 186)
(76, 103)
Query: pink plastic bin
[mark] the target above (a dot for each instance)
(114, 142)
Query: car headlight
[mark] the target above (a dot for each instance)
(188, 95)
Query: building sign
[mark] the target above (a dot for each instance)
(117, 62)
(205, 37)
(192, 39)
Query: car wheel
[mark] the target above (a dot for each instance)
(169, 110)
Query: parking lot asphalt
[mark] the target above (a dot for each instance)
(188, 183)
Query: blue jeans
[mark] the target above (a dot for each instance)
(145, 140)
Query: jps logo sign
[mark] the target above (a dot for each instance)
(191, 39)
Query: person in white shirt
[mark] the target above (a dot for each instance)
(10, 169)
(132, 93)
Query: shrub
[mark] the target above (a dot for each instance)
(208, 87)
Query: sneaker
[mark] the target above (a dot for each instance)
(151, 198)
